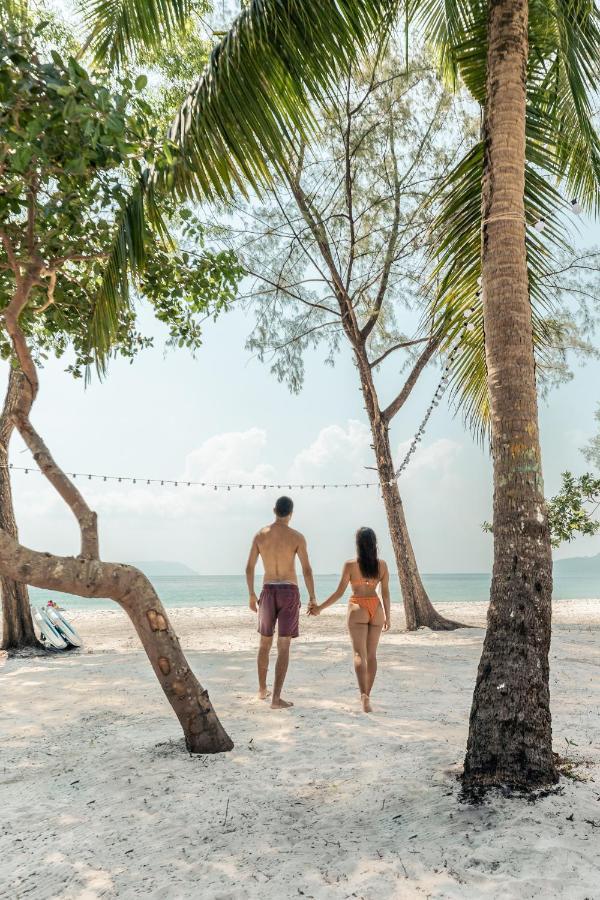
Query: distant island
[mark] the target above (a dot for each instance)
(163, 567)
(578, 565)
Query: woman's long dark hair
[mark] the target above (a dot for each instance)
(366, 552)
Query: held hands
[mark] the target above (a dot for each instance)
(253, 603)
(313, 608)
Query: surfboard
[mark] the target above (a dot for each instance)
(64, 628)
(46, 633)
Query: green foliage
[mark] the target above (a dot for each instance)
(592, 450)
(568, 517)
(122, 28)
(386, 136)
(71, 156)
(566, 511)
(255, 91)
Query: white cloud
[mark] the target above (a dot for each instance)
(337, 454)
(439, 456)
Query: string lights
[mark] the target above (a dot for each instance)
(219, 485)
(227, 486)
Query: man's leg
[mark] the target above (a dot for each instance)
(264, 648)
(281, 667)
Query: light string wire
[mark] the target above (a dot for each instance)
(439, 391)
(228, 485)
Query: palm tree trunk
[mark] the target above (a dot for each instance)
(418, 608)
(17, 625)
(510, 734)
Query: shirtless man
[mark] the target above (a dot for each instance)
(278, 545)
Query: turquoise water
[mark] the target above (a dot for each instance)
(228, 590)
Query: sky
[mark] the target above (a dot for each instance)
(224, 417)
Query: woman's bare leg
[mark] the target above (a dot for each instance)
(373, 635)
(358, 626)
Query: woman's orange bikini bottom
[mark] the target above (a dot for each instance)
(371, 604)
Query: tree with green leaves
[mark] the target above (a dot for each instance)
(571, 512)
(184, 283)
(69, 150)
(339, 247)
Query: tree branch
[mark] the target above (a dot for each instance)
(391, 245)
(397, 404)
(26, 395)
(403, 345)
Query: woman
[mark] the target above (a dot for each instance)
(367, 616)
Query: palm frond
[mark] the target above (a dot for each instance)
(562, 153)
(14, 13)
(236, 123)
(126, 260)
(256, 90)
(120, 29)
(458, 269)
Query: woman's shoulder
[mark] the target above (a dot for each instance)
(349, 563)
(383, 566)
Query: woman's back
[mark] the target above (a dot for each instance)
(364, 586)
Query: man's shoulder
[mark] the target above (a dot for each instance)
(262, 532)
(297, 536)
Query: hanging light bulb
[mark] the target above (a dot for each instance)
(540, 225)
(576, 206)
(470, 327)
(479, 281)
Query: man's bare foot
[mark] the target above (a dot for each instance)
(366, 703)
(280, 704)
(263, 693)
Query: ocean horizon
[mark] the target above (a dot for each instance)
(230, 590)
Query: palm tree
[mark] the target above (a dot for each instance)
(533, 67)
(534, 78)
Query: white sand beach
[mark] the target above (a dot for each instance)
(101, 800)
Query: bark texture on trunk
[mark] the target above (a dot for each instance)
(418, 608)
(17, 624)
(510, 734)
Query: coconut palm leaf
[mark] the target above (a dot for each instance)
(562, 153)
(234, 128)
(120, 29)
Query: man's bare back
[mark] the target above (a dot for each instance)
(278, 545)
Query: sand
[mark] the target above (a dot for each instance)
(100, 799)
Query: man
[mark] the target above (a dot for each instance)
(278, 545)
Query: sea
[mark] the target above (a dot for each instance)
(230, 590)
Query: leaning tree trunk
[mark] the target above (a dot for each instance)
(86, 575)
(133, 591)
(418, 608)
(510, 733)
(17, 625)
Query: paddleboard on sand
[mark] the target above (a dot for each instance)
(64, 628)
(46, 632)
